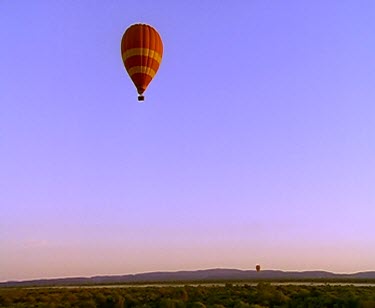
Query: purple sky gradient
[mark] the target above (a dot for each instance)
(256, 142)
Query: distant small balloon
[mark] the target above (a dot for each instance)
(257, 267)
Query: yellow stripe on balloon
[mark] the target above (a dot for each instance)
(141, 70)
(141, 52)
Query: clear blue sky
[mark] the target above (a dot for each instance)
(256, 142)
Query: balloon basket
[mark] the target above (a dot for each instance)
(141, 98)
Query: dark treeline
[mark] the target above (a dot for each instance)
(262, 295)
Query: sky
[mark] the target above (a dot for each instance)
(255, 143)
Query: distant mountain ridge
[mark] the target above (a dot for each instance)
(217, 274)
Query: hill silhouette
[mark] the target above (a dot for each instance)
(218, 274)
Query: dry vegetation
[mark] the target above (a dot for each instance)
(262, 295)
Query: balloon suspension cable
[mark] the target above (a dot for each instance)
(141, 98)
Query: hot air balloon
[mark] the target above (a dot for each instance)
(142, 51)
(257, 267)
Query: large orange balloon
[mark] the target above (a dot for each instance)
(141, 50)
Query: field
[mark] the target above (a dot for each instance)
(228, 295)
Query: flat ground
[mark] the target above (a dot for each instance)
(223, 295)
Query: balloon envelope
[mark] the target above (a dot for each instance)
(257, 267)
(141, 51)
